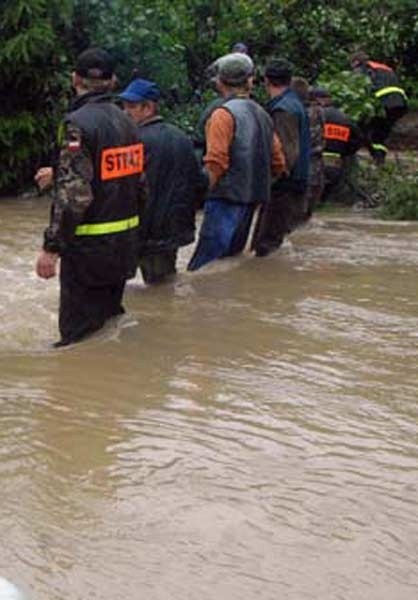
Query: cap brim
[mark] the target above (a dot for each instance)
(129, 97)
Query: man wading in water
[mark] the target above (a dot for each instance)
(94, 219)
(242, 152)
(174, 182)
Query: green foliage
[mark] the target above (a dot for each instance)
(31, 83)
(398, 191)
(391, 189)
(142, 37)
(184, 116)
(351, 92)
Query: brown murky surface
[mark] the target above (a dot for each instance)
(248, 432)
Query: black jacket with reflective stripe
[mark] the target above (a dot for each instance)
(109, 258)
(112, 140)
(342, 136)
(383, 77)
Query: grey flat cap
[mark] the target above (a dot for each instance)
(234, 69)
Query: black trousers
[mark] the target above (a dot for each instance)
(85, 307)
(334, 182)
(155, 268)
(284, 213)
(379, 129)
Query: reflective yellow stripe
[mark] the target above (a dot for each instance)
(60, 134)
(390, 90)
(331, 154)
(110, 227)
(380, 147)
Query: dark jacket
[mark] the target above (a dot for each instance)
(116, 152)
(385, 85)
(174, 182)
(292, 125)
(342, 136)
(248, 178)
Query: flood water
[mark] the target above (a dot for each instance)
(249, 432)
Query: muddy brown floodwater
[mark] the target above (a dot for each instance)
(247, 432)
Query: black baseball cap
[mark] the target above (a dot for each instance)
(279, 69)
(95, 63)
(320, 92)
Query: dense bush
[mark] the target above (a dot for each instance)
(173, 41)
(397, 190)
(392, 190)
(33, 61)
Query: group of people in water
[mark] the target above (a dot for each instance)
(127, 184)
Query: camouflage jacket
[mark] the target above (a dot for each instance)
(72, 189)
(316, 123)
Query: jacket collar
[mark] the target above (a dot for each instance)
(151, 121)
(274, 101)
(90, 98)
(235, 96)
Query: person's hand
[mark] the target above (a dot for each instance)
(44, 177)
(46, 265)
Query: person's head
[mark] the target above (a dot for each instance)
(94, 71)
(301, 87)
(358, 59)
(322, 96)
(234, 74)
(277, 75)
(140, 99)
(241, 48)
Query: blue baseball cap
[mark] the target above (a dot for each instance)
(139, 90)
(240, 47)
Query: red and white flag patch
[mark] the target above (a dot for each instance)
(74, 145)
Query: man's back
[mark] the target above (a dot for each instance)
(173, 178)
(117, 158)
(247, 178)
(342, 136)
(292, 124)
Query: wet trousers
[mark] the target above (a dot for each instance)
(284, 212)
(224, 231)
(378, 131)
(334, 182)
(155, 268)
(84, 307)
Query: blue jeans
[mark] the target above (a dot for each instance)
(224, 231)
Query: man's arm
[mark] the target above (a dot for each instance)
(73, 195)
(219, 136)
(278, 158)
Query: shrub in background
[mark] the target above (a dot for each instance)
(32, 83)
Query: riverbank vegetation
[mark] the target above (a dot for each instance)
(173, 42)
(394, 189)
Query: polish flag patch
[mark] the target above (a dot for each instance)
(74, 146)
